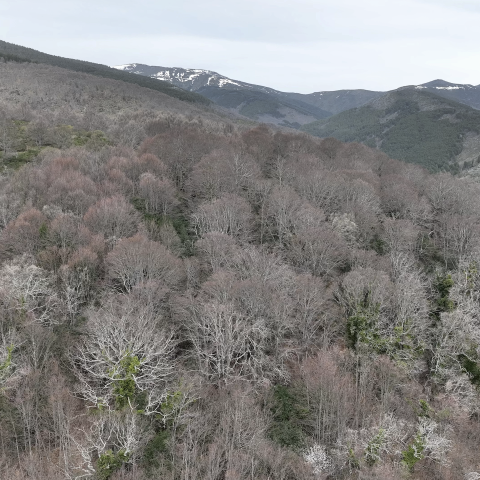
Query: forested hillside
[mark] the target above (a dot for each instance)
(12, 52)
(253, 101)
(187, 297)
(49, 107)
(413, 125)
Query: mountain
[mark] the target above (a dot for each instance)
(411, 124)
(12, 52)
(254, 101)
(463, 93)
(188, 79)
(330, 103)
(44, 107)
(338, 100)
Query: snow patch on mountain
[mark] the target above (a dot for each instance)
(224, 81)
(453, 87)
(190, 78)
(127, 68)
(450, 87)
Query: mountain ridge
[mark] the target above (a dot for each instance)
(268, 102)
(13, 52)
(413, 125)
(258, 102)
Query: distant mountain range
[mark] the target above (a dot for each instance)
(260, 103)
(435, 124)
(220, 88)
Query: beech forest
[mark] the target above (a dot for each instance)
(185, 295)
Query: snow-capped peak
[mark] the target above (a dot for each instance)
(443, 85)
(187, 78)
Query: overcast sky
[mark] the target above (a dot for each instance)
(301, 46)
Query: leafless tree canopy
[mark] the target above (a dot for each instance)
(183, 297)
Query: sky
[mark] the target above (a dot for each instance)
(297, 46)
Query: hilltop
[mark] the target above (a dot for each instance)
(44, 106)
(463, 93)
(410, 124)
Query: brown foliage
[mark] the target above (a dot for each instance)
(136, 260)
(112, 217)
(26, 234)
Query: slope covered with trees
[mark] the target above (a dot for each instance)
(45, 107)
(256, 101)
(218, 301)
(412, 125)
(12, 52)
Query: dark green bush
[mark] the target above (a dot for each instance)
(109, 462)
(287, 415)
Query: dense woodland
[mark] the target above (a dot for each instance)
(17, 53)
(412, 125)
(187, 297)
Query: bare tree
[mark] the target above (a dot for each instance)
(73, 191)
(411, 323)
(159, 195)
(312, 317)
(29, 291)
(227, 344)
(113, 217)
(331, 396)
(283, 207)
(10, 205)
(25, 234)
(136, 259)
(116, 437)
(229, 214)
(222, 171)
(217, 250)
(9, 372)
(125, 352)
(319, 249)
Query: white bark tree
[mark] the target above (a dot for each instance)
(125, 352)
(229, 214)
(110, 439)
(29, 291)
(226, 343)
